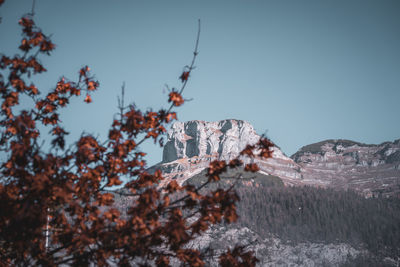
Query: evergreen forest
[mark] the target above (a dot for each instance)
(310, 214)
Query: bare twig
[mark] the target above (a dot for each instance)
(190, 68)
(33, 8)
(121, 104)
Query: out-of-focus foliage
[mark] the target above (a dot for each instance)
(56, 204)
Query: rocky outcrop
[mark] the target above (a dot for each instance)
(223, 139)
(192, 145)
(272, 251)
(369, 169)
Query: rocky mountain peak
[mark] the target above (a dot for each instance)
(192, 145)
(222, 139)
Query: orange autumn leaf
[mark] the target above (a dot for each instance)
(251, 167)
(175, 98)
(170, 117)
(88, 99)
(172, 186)
(184, 76)
(248, 151)
(12, 130)
(91, 86)
(25, 45)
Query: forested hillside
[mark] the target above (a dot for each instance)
(309, 214)
(300, 214)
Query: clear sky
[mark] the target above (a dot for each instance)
(302, 71)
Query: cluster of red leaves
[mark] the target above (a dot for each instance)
(56, 205)
(33, 37)
(176, 98)
(237, 257)
(262, 149)
(28, 64)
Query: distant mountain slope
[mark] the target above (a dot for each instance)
(369, 169)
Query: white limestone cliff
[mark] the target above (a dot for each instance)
(192, 145)
(223, 139)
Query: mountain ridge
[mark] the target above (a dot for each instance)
(344, 164)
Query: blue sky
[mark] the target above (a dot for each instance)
(302, 71)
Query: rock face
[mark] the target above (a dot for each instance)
(344, 164)
(223, 139)
(192, 145)
(369, 169)
(272, 251)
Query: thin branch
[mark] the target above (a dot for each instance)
(191, 67)
(120, 193)
(121, 104)
(33, 8)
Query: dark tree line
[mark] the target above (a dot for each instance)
(299, 214)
